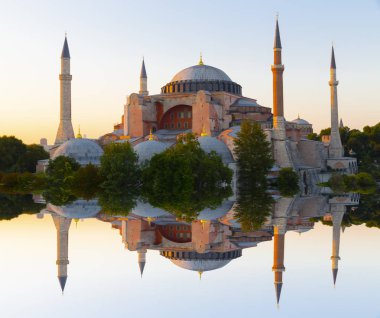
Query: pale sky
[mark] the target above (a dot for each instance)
(107, 40)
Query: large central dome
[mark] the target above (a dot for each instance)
(201, 73)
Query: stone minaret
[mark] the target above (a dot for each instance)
(335, 148)
(62, 225)
(65, 129)
(278, 97)
(337, 217)
(278, 259)
(143, 80)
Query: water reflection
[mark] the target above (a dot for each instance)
(210, 241)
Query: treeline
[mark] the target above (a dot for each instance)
(364, 145)
(15, 156)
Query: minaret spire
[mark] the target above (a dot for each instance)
(65, 129)
(141, 260)
(335, 147)
(278, 259)
(337, 217)
(143, 80)
(278, 99)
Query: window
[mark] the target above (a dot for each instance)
(179, 125)
(172, 116)
(172, 125)
(188, 114)
(181, 115)
(186, 125)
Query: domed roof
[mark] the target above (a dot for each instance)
(147, 149)
(201, 265)
(84, 151)
(201, 73)
(300, 121)
(79, 209)
(209, 144)
(214, 214)
(146, 210)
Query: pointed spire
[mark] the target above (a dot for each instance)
(341, 125)
(143, 70)
(277, 39)
(278, 288)
(200, 60)
(335, 274)
(150, 136)
(141, 266)
(200, 274)
(79, 136)
(332, 65)
(62, 281)
(65, 51)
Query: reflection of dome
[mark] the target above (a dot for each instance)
(146, 210)
(79, 209)
(213, 214)
(147, 149)
(201, 73)
(300, 121)
(209, 144)
(201, 262)
(84, 151)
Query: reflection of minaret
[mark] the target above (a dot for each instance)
(337, 217)
(335, 148)
(62, 225)
(141, 260)
(65, 129)
(143, 80)
(278, 259)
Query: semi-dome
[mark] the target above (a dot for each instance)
(209, 144)
(79, 209)
(84, 151)
(214, 214)
(147, 149)
(300, 121)
(201, 73)
(145, 210)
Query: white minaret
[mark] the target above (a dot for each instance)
(62, 225)
(143, 80)
(65, 129)
(337, 212)
(335, 147)
(141, 260)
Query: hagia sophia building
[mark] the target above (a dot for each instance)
(204, 100)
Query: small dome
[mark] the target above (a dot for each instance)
(79, 209)
(84, 151)
(147, 149)
(200, 265)
(209, 144)
(146, 210)
(201, 73)
(214, 214)
(300, 121)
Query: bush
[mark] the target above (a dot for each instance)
(288, 182)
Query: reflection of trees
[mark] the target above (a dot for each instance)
(11, 206)
(253, 208)
(120, 203)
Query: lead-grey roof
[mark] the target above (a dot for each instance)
(277, 39)
(201, 73)
(143, 70)
(209, 144)
(332, 65)
(245, 102)
(147, 149)
(65, 51)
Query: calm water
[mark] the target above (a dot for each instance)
(208, 267)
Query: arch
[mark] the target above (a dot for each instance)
(179, 117)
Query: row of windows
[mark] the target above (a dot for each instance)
(179, 125)
(180, 235)
(181, 115)
(176, 227)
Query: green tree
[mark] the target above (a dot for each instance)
(86, 182)
(288, 182)
(119, 168)
(254, 156)
(29, 160)
(11, 150)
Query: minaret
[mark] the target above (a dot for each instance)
(62, 225)
(278, 259)
(335, 147)
(65, 129)
(337, 217)
(142, 260)
(143, 80)
(278, 97)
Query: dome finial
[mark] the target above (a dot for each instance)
(150, 135)
(203, 133)
(79, 136)
(200, 274)
(200, 60)
(298, 116)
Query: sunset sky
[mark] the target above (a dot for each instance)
(108, 39)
